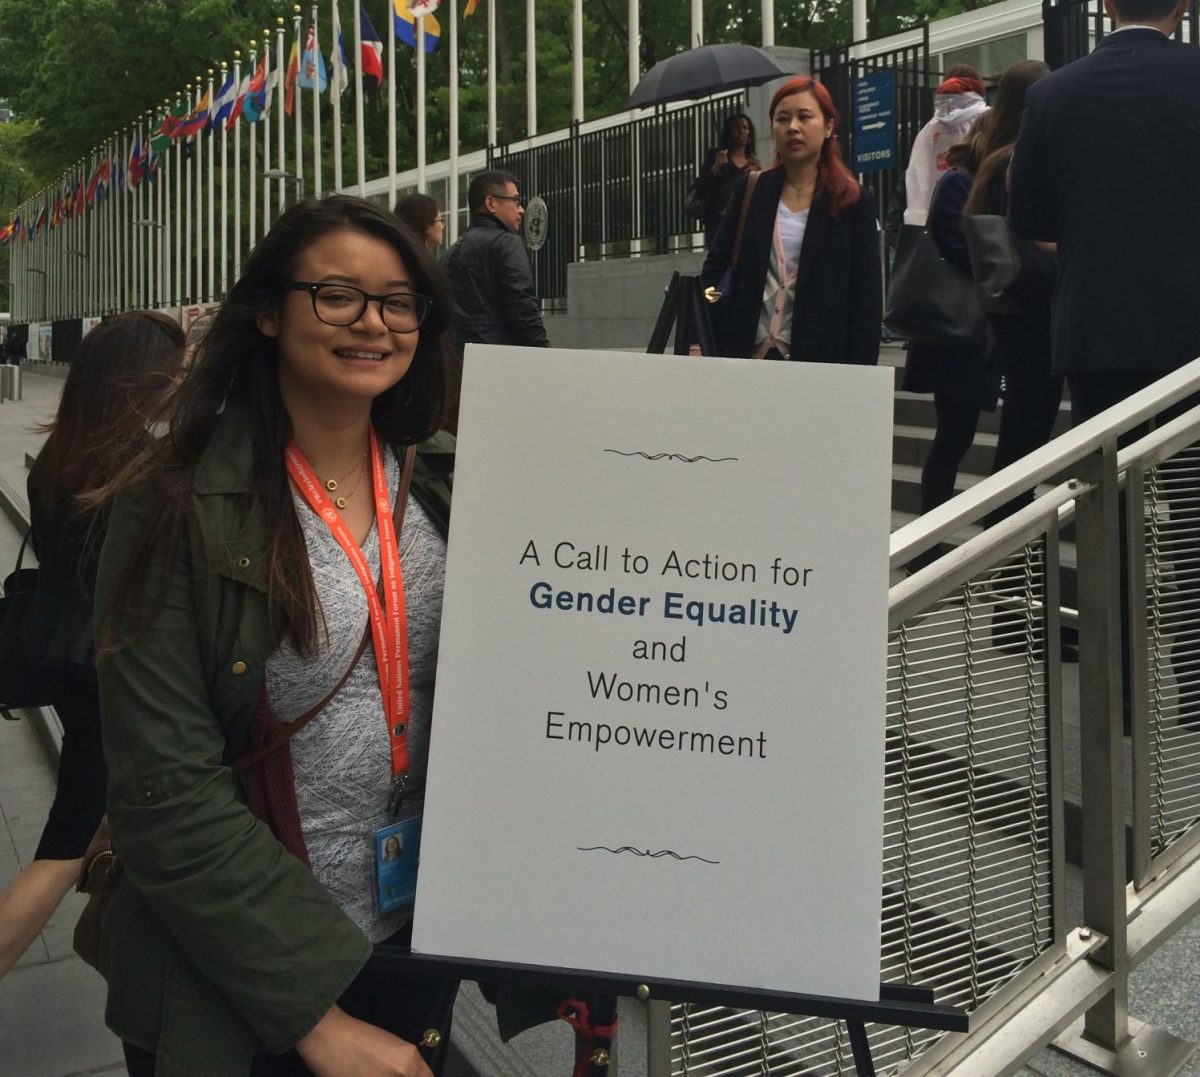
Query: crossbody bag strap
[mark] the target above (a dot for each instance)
(248, 759)
(751, 180)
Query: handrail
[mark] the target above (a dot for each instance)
(1052, 458)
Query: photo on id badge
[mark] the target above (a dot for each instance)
(397, 855)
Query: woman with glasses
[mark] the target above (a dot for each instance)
(269, 598)
(420, 213)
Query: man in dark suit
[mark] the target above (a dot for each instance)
(1107, 165)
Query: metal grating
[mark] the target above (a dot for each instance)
(967, 893)
(1172, 522)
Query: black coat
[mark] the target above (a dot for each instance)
(838, 304)
(1107, 164)
(493, 287)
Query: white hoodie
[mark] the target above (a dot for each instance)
(952, 117)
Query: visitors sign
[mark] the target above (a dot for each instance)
(658, 735)
(874, 129)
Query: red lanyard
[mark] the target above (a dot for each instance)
(388, 627)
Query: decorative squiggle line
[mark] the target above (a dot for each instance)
(640, 852)
(674, 456)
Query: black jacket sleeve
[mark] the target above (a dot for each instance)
(866, 284)
(720, 251)
(1031, 205)
(518, 305)
(946, 219)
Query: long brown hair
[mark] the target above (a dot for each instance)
(999, 130)
(833, 177)
(237, 368)
(116, 388)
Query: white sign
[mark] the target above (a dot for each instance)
(659, 723)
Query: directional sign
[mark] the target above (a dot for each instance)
(874, 122)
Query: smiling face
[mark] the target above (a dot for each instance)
(324, 364)
(799, 129)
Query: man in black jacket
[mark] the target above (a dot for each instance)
(490, 271)
(1107, 166)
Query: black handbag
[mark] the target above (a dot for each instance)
(929, 301)
(1015, 277)
(697, 203)
(22, 683)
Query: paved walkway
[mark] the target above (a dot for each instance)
(51, 1004)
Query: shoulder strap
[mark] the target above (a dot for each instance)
(248, 759)
(751, 180)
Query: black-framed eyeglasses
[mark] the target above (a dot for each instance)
(519, 199)
(343, 304)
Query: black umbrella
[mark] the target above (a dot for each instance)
(702, 71)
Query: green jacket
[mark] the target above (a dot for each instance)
(216, 939)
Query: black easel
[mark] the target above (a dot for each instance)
(685, 309)
(899, 1004)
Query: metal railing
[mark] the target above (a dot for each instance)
(975, 867)
(617, 190)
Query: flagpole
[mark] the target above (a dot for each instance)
(237, 170)
(166, 258)
(420, 21)
(577, 54)
(635, 34)
(185, 295)
(141, 241)
(452, 208)
(224, 275)
(768, 24)
(359, 145)
(266, 127)
(126, 246)
(281, 133)
(491, 72)
(391, 107)
(297, 25)
(530, 68)
(210, 291)
(318, 71)
(252, 180)
(697, 37)
(161, 233)
(335, 98)
(198, 218)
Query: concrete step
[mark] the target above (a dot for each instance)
(911, 444)
(916, 409)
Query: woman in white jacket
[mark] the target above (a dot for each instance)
(957, 101)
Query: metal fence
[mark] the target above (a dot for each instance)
(1072, 28)
(973, 902)
(619, 190)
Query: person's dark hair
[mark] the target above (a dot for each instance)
(1000, 126)
(236, 367)
(492, 182)
(726, 142)
(962, 71)
(418, 212)
(117, 386)
(1143, 10)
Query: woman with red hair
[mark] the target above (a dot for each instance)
(807, 282)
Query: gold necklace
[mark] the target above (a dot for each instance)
(332, 484)
(341, 501)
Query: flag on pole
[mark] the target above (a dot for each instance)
(271, 87)
(289, 78)
(223, 103)
(194, 122)
(98, 182)
(371, 59)
(469, 10)
(312, 65)
(8, 231)
(136, 163)
(79, 202)
(341, 74)
(253, 103)
(404, 22)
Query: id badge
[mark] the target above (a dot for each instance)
(397, 853)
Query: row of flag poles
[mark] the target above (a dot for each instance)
(162, 213)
